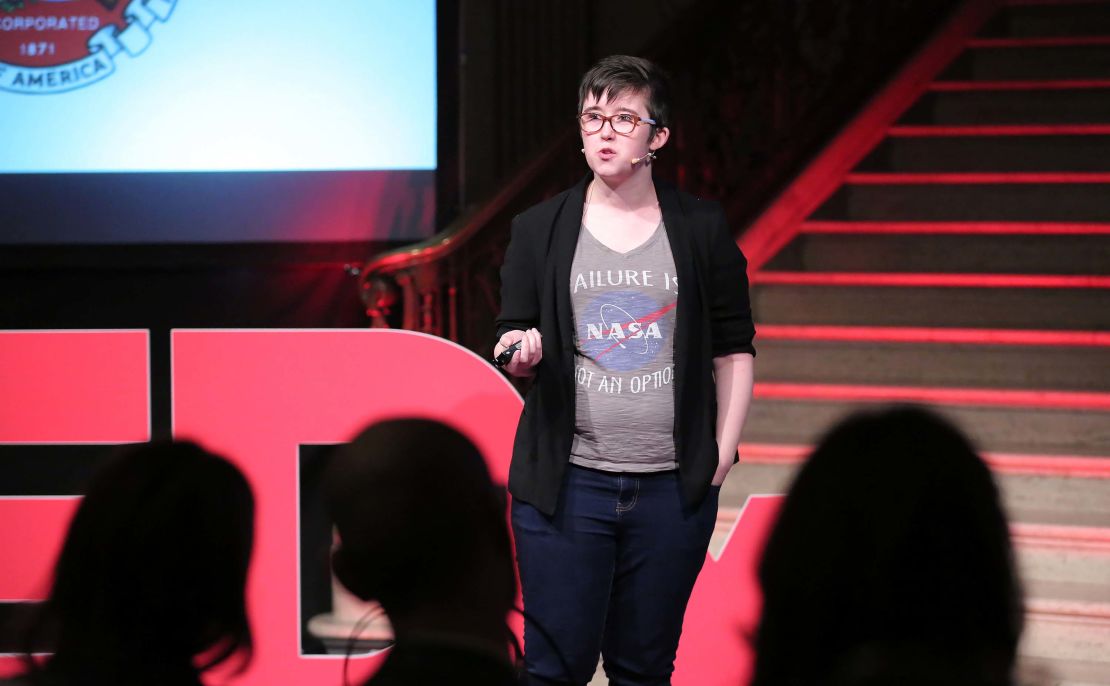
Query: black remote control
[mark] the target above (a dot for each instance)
(506, 355)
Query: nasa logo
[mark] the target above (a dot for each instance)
(54, 46)
(628, 330)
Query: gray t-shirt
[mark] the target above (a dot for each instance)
(624, 319)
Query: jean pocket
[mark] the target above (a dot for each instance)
(525, 518)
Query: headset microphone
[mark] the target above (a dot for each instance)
(649, 156)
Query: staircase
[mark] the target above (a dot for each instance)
(964, 263)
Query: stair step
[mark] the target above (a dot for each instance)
(962, 228)
(993, 428)
(1060, 572)
(1058, 3)
(930, 364)
(1024, 202)
(1074, 636)
(987, 153)
(957, 395)
(953, 253)
(1052, 41)
(975, 178)
(958, 103)
(1050, 19)
(934, 335)
(1070, 466)
(1018, 85)
(1090, 592)
(1039, 671)
(1058, 502)
(1002, 62)
(1065, 574)
(1082, 542)
(997, 308)
(976, 131)
(915, 279)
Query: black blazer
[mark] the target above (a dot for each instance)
(713, 319)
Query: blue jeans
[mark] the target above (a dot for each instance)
(610, 573)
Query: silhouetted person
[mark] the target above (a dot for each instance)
(890, 563)
(149, 586)
(422, 530)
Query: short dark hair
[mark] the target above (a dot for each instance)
(153, 568)
(891, 552)
(417, 514)
(618, 74)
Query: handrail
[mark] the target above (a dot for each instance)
(447, 241)
(379, 282)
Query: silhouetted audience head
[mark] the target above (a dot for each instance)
(420, 522)
(149, 585)
(890, 563)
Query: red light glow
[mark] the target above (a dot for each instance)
(890, 334)
(940, 280)
(1000, 228)
(1069, 400)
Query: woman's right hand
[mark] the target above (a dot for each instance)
(529, 355)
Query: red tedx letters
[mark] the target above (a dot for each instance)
(255, 396)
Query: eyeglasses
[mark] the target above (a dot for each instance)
(622, 122)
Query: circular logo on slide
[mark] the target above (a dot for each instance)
(54, 46)
(624, 330)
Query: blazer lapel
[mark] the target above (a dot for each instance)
(568, 224)
(688, 314)
(678, 235)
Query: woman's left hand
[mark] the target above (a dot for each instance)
(721, 473)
